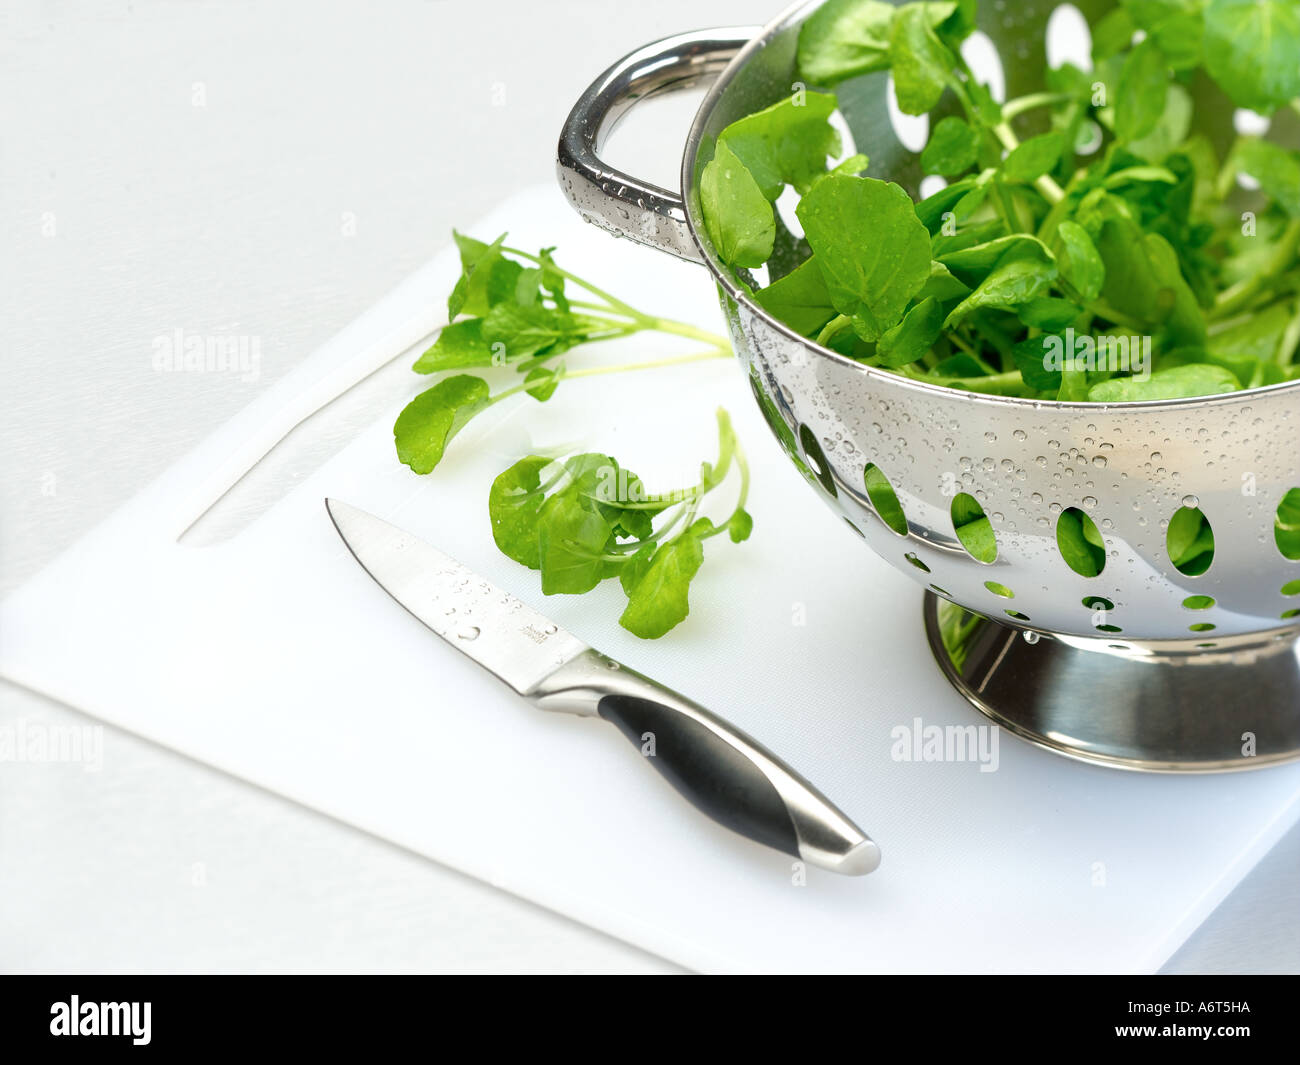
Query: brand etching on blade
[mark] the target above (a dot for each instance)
(534, 633)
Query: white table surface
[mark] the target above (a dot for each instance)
(272, 170)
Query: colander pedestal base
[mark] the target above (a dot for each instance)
(1163, 707)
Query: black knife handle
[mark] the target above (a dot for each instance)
(720, 770)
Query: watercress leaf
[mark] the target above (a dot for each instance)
(788, 251)
(979, 539)
(973, 263)
(845, 38)
(787, 143)
(1170, 130)
(1178, 382)
(873, 251)
(1080, 553)
(952, 148)
(1081, 266)
(884, 499)
(542, 381)
(427, 424)
(1049, 313)
(1034, 158)
(921, 62)
(634, 568)
(658, 601)
(1031, 357)
(1252, 49)
(1184, 527)
(800, 299)
(954, 22)
(932, 209)
(526, 329)
(913, 336)
(987, 109)
(553, 279)
(487, 277)
(1276, 169)
(1140, 96)
(459, 345)
(942, 285)
(572, 539)
(514, 503)
(1074, 386)
(1286, 527)
(1025, 271)
(1131, 175)
(737, 216)
(968, 236)
(1175, 25)
(739, 526)
(1112, 34)
(1257, 338)
(1143, 281)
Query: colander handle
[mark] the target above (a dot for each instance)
(624, 205)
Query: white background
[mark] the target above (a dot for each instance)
(272, 170)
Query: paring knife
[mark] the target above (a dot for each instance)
(724, 773)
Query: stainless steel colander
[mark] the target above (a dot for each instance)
(1117, 668)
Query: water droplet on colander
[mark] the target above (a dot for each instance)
(991, 437)
(1156, 456)
(964, 462)
(1191, 501)
(449, 611)
(987, 464)
(1055, 508)
(1036, 498)
(1041, 460)
(469, 632)
(550, 630)
(1030, 637)
(1019, 434)
(1107, 524)
(1099, 461)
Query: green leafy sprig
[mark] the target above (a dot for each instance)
(512, 308)
(586, 519)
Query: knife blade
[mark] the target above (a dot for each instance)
(724, 773)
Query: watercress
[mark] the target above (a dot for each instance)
(585, 519)
(1038, 237)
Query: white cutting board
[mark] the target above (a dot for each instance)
(274, 657)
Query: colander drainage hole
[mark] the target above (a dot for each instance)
(1096, 602)
(942, 591)
(1286, 529)
(1080, 543)
(854, 528)
(884, 498)
(1017, 615)
(1291, 588)
(1287, 614)
(816, 457)
(973, 528)
(1201, 626)
(999, 589)
(1190, 541)
(911, 557)
(1198, 602)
